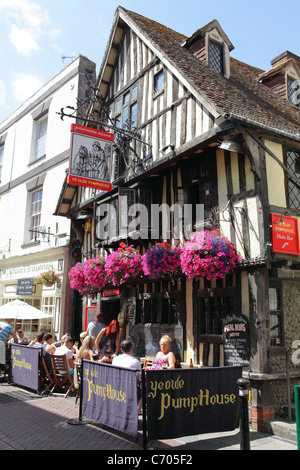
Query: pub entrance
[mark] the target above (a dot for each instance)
(110, 308)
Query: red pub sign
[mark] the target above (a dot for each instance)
(90, 158)
(285, 235)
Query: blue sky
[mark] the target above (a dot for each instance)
(36, 34)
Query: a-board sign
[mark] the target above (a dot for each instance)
(90, 315)
(25, 286)
(236, 341)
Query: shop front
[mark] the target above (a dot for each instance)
(19, 281)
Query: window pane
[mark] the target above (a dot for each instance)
(41, 135)
(133, 93)
(126, 98)
(293, 164)
(159, 82)
(215, 54)
(35, 213)
(125, 116)
(133, 113)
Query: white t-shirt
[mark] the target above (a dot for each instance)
(128, 361)
(62, 350)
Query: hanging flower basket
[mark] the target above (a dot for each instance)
(162, 261)
(95, 274)
(210, 255)
(88, 277)
(48, 278)
(122, 264)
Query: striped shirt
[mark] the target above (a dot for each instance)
(5, 330)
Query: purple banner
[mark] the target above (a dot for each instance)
(109, 396)
(25, 363)
(184, 402)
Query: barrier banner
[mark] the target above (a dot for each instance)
(184, 402)
(109, 396)
(25, 363)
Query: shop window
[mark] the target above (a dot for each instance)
(276, 335)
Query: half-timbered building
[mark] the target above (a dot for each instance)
(195, 127)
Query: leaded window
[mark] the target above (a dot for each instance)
(293, 91)
(293, 164)
(215, 56)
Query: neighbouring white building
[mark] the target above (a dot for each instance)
(34, 156)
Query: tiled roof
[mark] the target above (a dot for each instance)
(241, 94)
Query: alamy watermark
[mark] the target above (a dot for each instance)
(156, 221)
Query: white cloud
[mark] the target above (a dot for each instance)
(28, 23)
(23, 40)
(24, 86)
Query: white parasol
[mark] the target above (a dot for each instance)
(19, 310)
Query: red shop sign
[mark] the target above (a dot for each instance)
(110, 292)
(285, 235)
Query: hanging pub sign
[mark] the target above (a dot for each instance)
(285, 235)
(90, 158)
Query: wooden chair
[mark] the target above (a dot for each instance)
(48, 379)
(63, 378)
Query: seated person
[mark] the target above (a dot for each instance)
(165, 358)
(86, 350)
(107, 342)
(48, 349)
(21, 338)
(127, 359)
(66, 348)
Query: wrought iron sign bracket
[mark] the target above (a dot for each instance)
(93, 111)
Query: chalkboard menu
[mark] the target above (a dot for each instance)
(236, 341)
(25, 287)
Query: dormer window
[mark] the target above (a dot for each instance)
(211, 46)
(215, 57)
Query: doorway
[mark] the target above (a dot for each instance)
(110, 309)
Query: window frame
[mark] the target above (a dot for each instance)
(158, 83)
(124, 104)
(289, 185)
(278, 311)
(290, 90)
(38, 154)
(34, 236)
(220, 46)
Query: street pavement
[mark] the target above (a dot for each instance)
(30, 422)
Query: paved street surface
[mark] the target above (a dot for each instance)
(28, 422)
